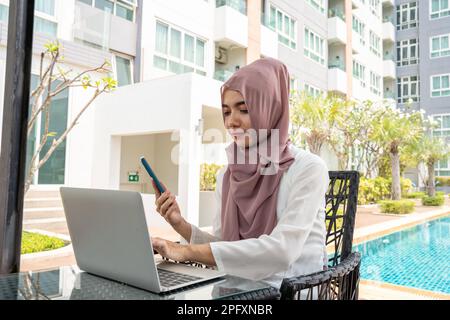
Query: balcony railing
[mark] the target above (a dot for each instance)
(336, 64)
(222, 75)
(389, 19)
(336, 13)
(239, 5)
(390, 95)
(389, 56)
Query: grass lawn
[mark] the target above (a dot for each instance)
(33, 242)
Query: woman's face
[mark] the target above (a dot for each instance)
(237, 118)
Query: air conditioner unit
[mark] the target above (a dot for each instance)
(221, 55)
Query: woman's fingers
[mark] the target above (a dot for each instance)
(159, 201)
(167, 204)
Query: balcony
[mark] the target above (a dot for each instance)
(337, 78)
(231, 27)
(389, 96)
(222, 75)
(388, 3)
(389, 69)
(388, 31)
(239, 5)
(337, 29)
(104, 30)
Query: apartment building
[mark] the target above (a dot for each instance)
(422, 57)
(170, 58)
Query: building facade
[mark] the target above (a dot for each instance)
(170, 58)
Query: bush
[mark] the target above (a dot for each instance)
(415, 195)
(440, 193)
(433, 201)
(397, 206)
(208, 174)
(443, 181)
(33, 242)
(373, 190)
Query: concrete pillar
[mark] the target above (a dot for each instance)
(348, 48)
(254, 30)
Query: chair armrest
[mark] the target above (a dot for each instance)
(339, 282)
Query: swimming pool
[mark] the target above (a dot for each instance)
(417, 257)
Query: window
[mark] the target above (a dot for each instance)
(359, 72)
(122, 8)
(45, 26)
(375, 44)
(439, 46)
(408, 89)
(177, 51)
(360, 28)
(313, 91)
(407, 52)
(4, 12)
(375, 7)
(293, 83)
(407, 16)
(440, 86)
(317, 4)
(123, 71)
(314, 47)
(439, 9)
(45, 6)
(53, 171)
(285, 26)
(239, 5)
(375, 83)
(442, 130)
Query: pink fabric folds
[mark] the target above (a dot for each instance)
(250, 187)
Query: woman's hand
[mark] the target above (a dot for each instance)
(170, 250)
(167, 206)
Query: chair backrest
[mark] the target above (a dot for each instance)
(341, 204)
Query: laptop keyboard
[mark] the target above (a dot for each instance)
(170, 279)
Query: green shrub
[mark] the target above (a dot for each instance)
(373, 190)
(440, 193)
(33, 242)
(415, 195)
(433, 201)
(397, 206)
(443, 181)
(208, 176)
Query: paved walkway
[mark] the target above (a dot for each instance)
(369, 223)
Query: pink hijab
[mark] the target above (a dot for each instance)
(249, 198)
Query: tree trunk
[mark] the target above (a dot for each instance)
(431, 188)
(396, 190)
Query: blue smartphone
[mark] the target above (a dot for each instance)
(152, 174)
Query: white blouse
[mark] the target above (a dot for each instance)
(296, 245)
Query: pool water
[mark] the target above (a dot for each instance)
(417, 257)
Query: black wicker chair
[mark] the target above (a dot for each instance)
(341, 280)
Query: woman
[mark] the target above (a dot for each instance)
(270, 223)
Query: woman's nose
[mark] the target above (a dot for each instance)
(234, 119)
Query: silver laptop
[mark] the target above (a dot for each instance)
(111, 239)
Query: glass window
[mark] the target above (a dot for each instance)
(313, 47)
(53, 171)
(175, 43)
(408, 89)
(318, 5)
(439, 9)
(4, 13)
(45, 6)
(45, 26)
(407, 16)
(285, 26)
(441, 86)
(200, 53)
(123, 71)
(189, 48)
(440, 46)
(161, 38)
(375, 44)
(409, 52)
(105, 5)
(124, 11)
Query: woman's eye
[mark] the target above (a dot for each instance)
(244, 111)
(226, 113)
